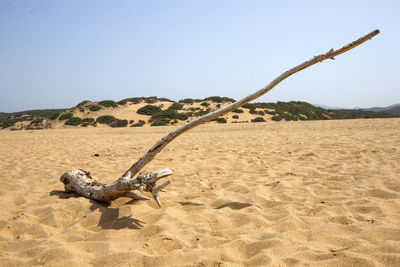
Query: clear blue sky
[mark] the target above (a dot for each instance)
(54, 54)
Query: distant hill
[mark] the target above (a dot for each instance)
(154, 111)
(388, 109)
(394, 110)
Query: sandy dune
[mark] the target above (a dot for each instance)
(317, 193)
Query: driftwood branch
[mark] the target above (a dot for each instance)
(81, 182)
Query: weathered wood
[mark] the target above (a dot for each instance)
(81, 182)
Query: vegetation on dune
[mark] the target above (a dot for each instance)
(164, 117)
(87, 121)
(140, 123)
(161, 117)
(258, 119)
(188, 101)
(65, 116)
(94, 107)
(74, 121)
(54, 116)
(118, 123)
(82, 103)
(108, 103)
(215, 99)
(238, 110)
(221, 120)
(106, 119)
(148, 100)
(288, 111)
(176, 106)
(219, 99)
(149, 110)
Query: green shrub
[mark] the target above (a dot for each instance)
(134, 100)
(276, 118)
(106, 119)
(221, 120)
(202, 112)
(238, 110)
(94, 107)
(83, 103)
(54, 115)
(176, 106)
(119, 123)
(169, 114)
(8, 123)
(140, 123)
(186, 101)
(149, 110)
(74, 121)
(261, 113)
(160, 122)
(235, 117)
(253, 111)
(204, 104)
(108, 103)
(258, 119)
(65, 116)
(218, 105)
(218, 99)
(270, 112)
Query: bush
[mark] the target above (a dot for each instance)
(221, 120)
(253, 111)
(160, 122)
(94, 107)
(83, 103)
(106, 119)
(219, 99)
(176, 106)
(218, 105)
(8, 123)
(74, 121)
(187, 101)
(169, 114)
(276, 118)
(134, 100)
(119, 123)
(149, 110)
(235, 117)
(140, 123)
(108, 103)
(238, 110)
(54, 115)
(258, 119)
(65, 116)
(201, 112)
(204, 104)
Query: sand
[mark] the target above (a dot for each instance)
(316, 193)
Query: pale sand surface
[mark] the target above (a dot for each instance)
(323, 193)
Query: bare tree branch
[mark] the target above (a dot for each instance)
(81, 182)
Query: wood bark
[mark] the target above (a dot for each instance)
(81, 182)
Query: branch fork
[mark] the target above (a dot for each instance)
(81, 182)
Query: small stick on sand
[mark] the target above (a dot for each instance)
(81, 182)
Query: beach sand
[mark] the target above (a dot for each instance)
(314, 193)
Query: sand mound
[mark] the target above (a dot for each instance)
(321, 193)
